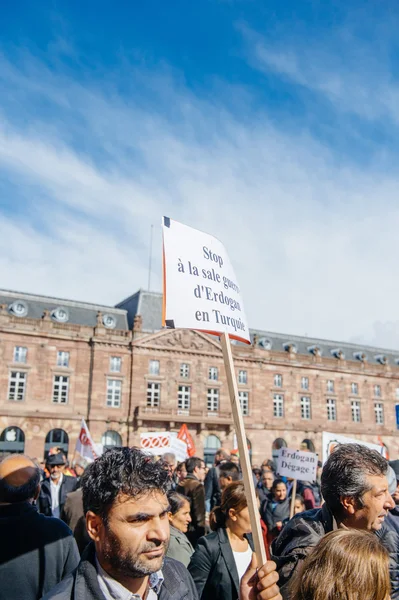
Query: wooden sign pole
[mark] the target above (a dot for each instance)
(293, 492)
(243, 450)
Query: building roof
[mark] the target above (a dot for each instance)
(78, 313)
(149, 306)
(146, 304)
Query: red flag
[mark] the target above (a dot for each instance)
(184, 436)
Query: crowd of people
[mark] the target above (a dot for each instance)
(129, 526)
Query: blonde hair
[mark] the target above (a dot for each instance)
(345, 565)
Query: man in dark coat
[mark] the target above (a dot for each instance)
(55, 488)
(126, 508)
(36, 552)
(355, 489)
(192, 487)
(212, 487)
(72, 514)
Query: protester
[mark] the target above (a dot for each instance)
(265, 485)
(212, 487)
(54, 490)
(169, 459)
(268, 465)
(394, 464)
(299, 505)
(36, 552)
(192, 487)
(275, 511)
(126, 507)
(257, 473)
(234, 458)
(221, 558)
(305, 489)
(181, 472)
(79, 469)
(229, 472)
(355, 490)
(345, 565)
(179, 518)
(73, 515)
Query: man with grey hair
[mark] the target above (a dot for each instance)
(36, 552)
(355, 490)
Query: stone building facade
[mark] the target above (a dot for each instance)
(61, 361)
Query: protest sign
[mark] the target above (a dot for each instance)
(330, 440)
(200, 288)
(297, 465)
(185, 436)
(200, 292)
(85, 445)
(159, 443)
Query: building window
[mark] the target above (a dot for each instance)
(213, 374)
(115, 364)
(244, 403)
(242, 377)
(20, 354)
(62, 359)
(278, 381)
(184, 371)
(278, 406)
(114, 392)
(331, 410)
(183, 397)
(356, 412)
(377, 391)
(379, 413)
(354, 389)
(60, 389)
(154, 367)
(330, 386)
(213, 400)
(305, 408)
(305, 383)
(111, 439)
(153, 394)
(17, 386)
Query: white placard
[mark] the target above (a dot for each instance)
(200, 289)
(158, 443)
(330, 440)
(297, 464)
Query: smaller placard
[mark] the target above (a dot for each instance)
(296, 464)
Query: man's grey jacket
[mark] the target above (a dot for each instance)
(83, 584)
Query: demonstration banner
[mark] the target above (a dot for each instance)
(200, 291)
(85, 445)
(330, 440)
(184, 436)
(159, 443)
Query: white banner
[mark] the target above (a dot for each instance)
(296, 464)
(200, 288)
(160, 442)
(85, 445)
(330, 440)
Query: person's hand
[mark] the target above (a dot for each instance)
(260, 584)
(279, 525)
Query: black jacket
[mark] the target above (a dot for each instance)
(303, 532)
(213, 567)
(212, 488)
(36, 552)
(389, 534)
(68, 484)
(83, 584)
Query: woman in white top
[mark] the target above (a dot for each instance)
(221, 558)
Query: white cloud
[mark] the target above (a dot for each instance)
(314, 244)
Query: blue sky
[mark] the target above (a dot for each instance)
(271, 125)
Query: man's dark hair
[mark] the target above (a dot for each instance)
(192, 463)
(13, 494)
(229, 469)
(121, 471)
(345, 472)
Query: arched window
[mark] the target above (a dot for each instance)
(111, 439)
(308, 445)
(12, 440)
(56, 437)
(212, 443)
